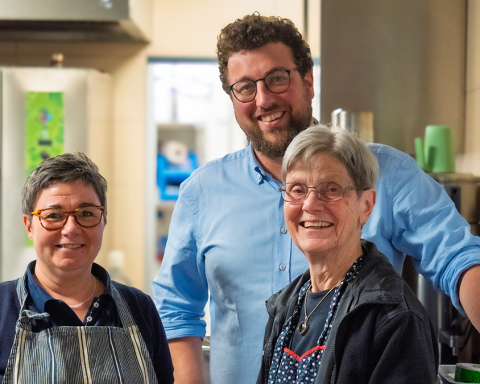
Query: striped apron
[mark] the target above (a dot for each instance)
(82, 355)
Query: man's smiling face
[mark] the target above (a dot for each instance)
(271, 120)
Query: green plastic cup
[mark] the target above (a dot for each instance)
(438, 151)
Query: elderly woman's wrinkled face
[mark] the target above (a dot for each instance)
(318, 226)
(71, 248)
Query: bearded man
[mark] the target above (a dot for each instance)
(228, 236)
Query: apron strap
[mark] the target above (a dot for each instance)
(22, 292)
(125, 315)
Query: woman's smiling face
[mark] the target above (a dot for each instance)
(318, 227)
(71, 248)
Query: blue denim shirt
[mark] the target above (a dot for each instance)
(227, 238)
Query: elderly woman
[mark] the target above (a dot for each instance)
(350, 318)
(65, 321)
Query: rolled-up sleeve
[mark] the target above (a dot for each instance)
(429, 228)
(180, 289)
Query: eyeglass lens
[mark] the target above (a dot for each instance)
(56, 218)
(329, 191)
(276, 82)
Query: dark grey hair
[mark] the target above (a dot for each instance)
(67, 168)
(342, 144)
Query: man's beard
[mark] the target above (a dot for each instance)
(298, 123)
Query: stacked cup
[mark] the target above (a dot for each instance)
(437, 153)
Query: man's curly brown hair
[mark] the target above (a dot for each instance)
(255, 31)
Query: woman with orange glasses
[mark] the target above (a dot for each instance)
(65, 320)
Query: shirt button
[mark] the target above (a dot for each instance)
(282, 267)
(283, 230)
(259, 177)
(96, 304)
(89, 318)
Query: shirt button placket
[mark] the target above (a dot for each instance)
(282, 266)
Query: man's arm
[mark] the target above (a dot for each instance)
(180, 291)
(469, 292)
(425, 224)
(187, 360)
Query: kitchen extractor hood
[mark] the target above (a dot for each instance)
(75, 20)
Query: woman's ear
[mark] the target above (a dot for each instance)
(27, 221)
(369, 198)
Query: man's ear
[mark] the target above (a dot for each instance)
(28, 225)
(308, 80)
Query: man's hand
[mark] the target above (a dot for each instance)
(187, 360)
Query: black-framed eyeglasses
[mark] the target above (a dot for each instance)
(56, 218)
(277, 81)
(326, 191)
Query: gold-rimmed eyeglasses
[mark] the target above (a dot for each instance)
(277, 81)
(326, 191)
(56, 218)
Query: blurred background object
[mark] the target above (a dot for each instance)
(45, 112)
(359, 122)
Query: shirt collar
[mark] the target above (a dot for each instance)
(259, 174)
(40, 297)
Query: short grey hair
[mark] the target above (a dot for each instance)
(342, 144)
(67, 168)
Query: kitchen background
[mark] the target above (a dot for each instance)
(182, 29)
(144, 108)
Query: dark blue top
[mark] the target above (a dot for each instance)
(302, 344)
(102, 312)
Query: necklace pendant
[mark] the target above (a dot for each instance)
(302, 328)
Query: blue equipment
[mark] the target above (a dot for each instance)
(171, 175)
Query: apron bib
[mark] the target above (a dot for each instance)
(83, 355)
